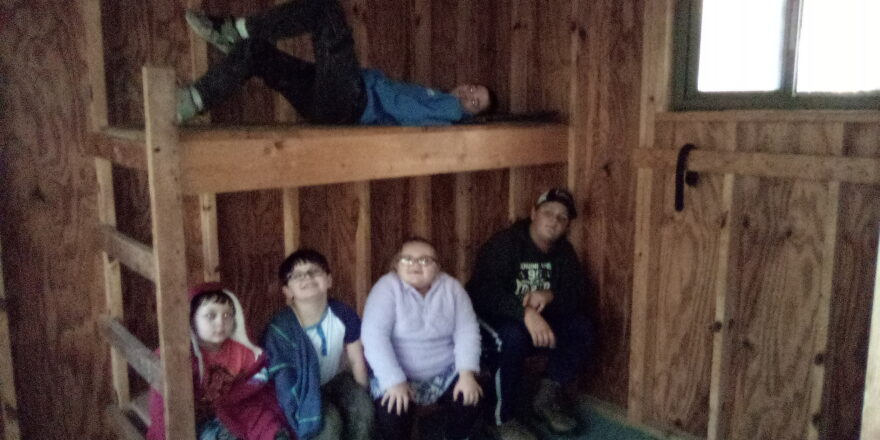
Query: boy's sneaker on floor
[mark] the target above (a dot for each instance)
(552, 408)
(514, 430)
(219, 31)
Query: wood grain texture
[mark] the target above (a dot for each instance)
(854, 288)
(134, 254)
(688, 247)
(778, 259)
(836, 168)
(330, 219)
(112, 274)
(51, 265)
(142, 359)
(166, 209)
(9, 424)
(870, 429)
(606, 186)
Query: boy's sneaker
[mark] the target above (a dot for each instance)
(514, 430)
(187, 107)
(219, 31)
(550, 405)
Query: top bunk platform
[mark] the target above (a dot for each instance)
(219, 159)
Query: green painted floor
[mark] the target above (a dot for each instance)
(599, 425)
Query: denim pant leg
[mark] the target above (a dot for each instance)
(575, 340)
(354, 405)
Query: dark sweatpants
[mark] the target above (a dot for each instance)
(511, 343)
(459, 418)
(328, 91)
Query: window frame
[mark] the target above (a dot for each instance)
(685, 58)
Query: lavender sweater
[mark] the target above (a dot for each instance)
(410, 336)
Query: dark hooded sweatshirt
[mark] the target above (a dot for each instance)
(510, 265)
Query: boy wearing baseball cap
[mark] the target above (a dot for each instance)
(526, 288)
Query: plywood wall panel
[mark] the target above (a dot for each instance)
(390, 219)
(853, 293)
(686, 246)
(251, 238)
(329, 223)
(610, 36)
(47, 190)
(777, 259)
(550, 85)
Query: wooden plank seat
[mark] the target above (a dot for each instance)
(277, 156)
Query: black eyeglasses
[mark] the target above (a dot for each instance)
(301, 276)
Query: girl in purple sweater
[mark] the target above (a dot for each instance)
(422, 341)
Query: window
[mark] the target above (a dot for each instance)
(777, 54)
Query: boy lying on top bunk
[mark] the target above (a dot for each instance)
(333, 89)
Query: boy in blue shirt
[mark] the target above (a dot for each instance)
(333, 89)
(316, 358)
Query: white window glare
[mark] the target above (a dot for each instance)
(741, 45)
(839, 47)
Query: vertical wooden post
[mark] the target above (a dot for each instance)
(363, 239)
(198, 51)
(210, 237)
(871, 405)
(95, 61)
(721, 343)
(166, 208)
(577, 123)
(9, 413)
(112, 276)
(290, 208)
(522, 56)
(419, 194)
(98, 119)
(639, 385)
(655, 97)
(289, 196)
(420, 199)
(463, 187)
(823, 314)
(362, 249)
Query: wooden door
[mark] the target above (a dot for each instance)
(751, 306)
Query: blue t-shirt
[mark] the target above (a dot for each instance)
(338, 327)
(392, 102)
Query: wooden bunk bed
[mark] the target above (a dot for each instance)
(206, 161)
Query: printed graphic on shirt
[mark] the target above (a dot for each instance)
(532, 277)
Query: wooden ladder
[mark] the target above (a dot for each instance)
(164, 263)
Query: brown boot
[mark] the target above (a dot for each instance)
(514, 430)
(551, 406)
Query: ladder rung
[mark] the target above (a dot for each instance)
(140, 406)
(123, 425)
(144, 361)
(130, 252)
(124, 147)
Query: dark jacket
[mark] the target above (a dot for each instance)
(510, 265)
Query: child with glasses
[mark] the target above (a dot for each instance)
(422, 341)
(315, 355)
